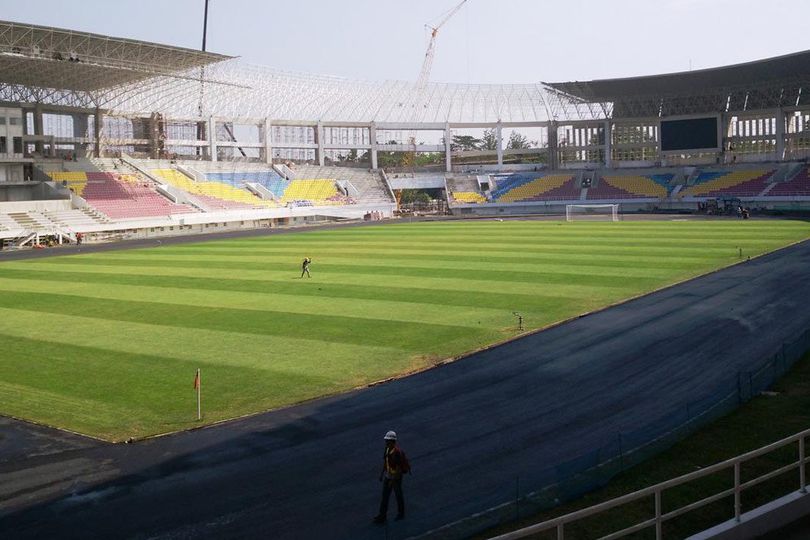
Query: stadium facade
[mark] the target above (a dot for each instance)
(643, 141)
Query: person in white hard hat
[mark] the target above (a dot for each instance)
(395, 464)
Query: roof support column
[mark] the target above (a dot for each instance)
(212, 138)
(608, 143)
(319, 142)
(499, 142)
(780, 134)
(723, 135)
(80, 131)
(553, 157)
(268, 145)
(38, 145)
(448, 138)
(372, 137)
(98, 123)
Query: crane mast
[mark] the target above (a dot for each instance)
(422, 80)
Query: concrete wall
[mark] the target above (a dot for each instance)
(22, 192)
(40, 206)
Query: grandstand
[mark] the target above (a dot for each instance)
(264, 155)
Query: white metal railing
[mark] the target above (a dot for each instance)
(655, 491)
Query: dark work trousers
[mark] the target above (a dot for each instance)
(396, 485)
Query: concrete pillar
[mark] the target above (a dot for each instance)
(153, 134)
(448, 139)
(372, 137)
(38, 128)
(80, 121)
(499, 141)
(319, 142)
(608, 144)
(723, 133)
(98, 122)
(268, 145)
(211, 132)
(780, 134)
(553, 157)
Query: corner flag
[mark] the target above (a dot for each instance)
(197, 387)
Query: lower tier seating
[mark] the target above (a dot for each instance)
(626, 187)
(738, 183)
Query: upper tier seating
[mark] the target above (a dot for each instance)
(119, 196)
(739, 183)
(798, 186)
(531, 187)
(214, 195)
(627, 187)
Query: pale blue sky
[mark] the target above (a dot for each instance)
(489, 41)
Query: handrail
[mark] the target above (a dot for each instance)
(559, 523)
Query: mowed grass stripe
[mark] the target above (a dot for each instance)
(337, 261)
(278, 270)
(594, 249)
(293, 355)
(409, 336)
(393, 256)
(526, 229)
(328, 290)
(470, 286)
(114, 395)
(265, 302)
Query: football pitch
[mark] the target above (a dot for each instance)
(107, 344)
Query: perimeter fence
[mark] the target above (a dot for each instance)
(545, 488)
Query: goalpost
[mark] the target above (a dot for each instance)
(592, 212)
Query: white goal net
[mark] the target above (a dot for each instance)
(591, 212)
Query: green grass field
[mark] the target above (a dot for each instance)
(107, 344)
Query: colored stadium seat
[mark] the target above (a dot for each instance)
(627, 187)
(315, 192)
(739, 183)
(127, 197)
(798, 186)
(468, 197)
(214, 195)
(527, 188)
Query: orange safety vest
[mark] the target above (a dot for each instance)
(393, 461)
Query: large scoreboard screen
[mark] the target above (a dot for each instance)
(690, 134)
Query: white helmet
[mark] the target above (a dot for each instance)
(390, 436)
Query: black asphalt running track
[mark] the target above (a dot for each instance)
(470, 427)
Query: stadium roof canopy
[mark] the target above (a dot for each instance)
(62, 67)
(761, 84)
(66, 60)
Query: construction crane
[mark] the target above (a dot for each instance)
(427, 64)
(421, 84)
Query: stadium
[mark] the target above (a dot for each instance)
(542, 287)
